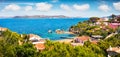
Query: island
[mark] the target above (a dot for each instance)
(42, 16)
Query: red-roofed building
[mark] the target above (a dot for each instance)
(38, 42)
(114, 25)
(40, 46)
(82, 39)
(94, 41)
(3, 29)
(113, 51)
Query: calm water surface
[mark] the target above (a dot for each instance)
(40, 26)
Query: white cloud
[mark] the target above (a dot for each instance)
(104, 8)
(12, 7)
(117, 6)
(43, 6)
(65, 7)
(81, 7)
(28, 8)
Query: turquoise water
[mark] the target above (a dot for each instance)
(40, 26)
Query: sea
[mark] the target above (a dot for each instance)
(41, 26)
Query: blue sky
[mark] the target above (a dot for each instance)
(73, 8)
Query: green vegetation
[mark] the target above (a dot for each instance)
(112, 41)
(115, 18)
(9, 47)
(10, 43)
(88, 28)
(94, 19)
(54, 49)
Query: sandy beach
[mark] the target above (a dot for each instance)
(65, 40)
(67, 32)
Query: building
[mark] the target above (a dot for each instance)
(94, 41)
(33, 37)
(113, 51)
(3, 29)
(37, 41)
(114, 25)
(40, 46)
(97, 36)
(102, 21)
(80, 40)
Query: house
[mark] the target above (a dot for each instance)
(33, 37)
(80, 40)
(97, 36)
(37, 41)
(113, 51)
(114, 25)
(3, 29)
(40, 46)
(102, 21)
(94, 41)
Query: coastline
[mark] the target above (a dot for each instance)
(65, 40)
(41, 26)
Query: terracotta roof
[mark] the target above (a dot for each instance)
(117, 24)
(94, 41)
(115, 49)
(40, 46)
(3, 29)
(113, 25)
(83, 38)
(33, 35)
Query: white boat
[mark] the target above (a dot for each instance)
(49, 31)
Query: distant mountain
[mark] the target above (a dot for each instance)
(117, 16)
(42, 16)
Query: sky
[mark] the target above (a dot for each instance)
(71, 8)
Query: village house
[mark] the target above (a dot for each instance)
(40, 46)
(113, 51)
(97, 37)
(2, 30)
(114, 25)
(80, 40)
(94, 41)
(37, 41)
(103, 21)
